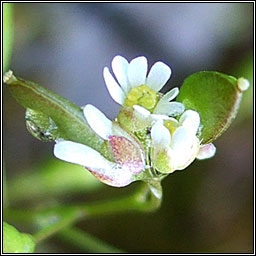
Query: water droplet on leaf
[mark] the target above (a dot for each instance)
(41, 126)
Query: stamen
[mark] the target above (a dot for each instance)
(142, 96)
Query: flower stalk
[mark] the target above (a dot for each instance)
(51, 220)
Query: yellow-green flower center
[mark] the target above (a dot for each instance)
(142, 96)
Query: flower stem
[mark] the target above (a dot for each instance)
(86, 242)
(52, 220)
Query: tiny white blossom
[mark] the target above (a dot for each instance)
(175, 143)
(134, 74)
(170, 144)
(128, 156)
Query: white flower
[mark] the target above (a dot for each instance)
(175, 144)
(134, 87)
(128, 156)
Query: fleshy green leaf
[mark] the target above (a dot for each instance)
(63, 116)
(216, 97)
(16, 242)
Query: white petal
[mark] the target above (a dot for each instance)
(115, 176)
(141, 118)
(170, 108)
(114, 89)
(206, 151)
(161, 137)
(159, 117)
(108, 172)
(120, 69)
(159, 74)
(180, 138)
(169, 96)
(190, 120)
(186, 155)
(137, 71)
(184, 148)
(98, 121)
(156, 117)
(144, 113)
(80, 154)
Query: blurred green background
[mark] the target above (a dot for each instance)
(208, 207)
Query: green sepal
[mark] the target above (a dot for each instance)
(216, 97)
(156, 188)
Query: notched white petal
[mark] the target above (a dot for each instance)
(170, 108)
(80, 154)
(114, 89)
(206, 151)
(156, 117)
(186, 155)
(169, 95)
(107, 172)
(142, 112)
(137, 71)
(120, 69)
(115, 176)
(190, 120)
(158, 75)
(98, 121)
(160, 135)
(180, 138)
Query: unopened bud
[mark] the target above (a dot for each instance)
(9, 77)
(243, 84)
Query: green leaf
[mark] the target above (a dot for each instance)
(216, 97)
(7, 33)
(68, 118)
(16, 242)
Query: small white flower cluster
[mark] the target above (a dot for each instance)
(174, 143)
(134, 74)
